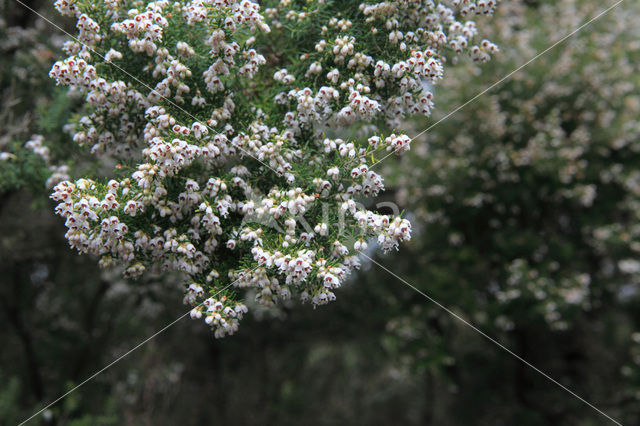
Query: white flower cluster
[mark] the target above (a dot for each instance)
(235, 181)
(386, 82)
(36, 145)
(142, 29)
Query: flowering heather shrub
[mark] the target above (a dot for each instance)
(26, 159)
(532, 193)
(233, 127)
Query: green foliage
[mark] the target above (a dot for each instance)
(32, 104)
(9, 399)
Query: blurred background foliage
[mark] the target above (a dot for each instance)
(525, 205)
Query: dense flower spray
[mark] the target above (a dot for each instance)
(238, 132)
